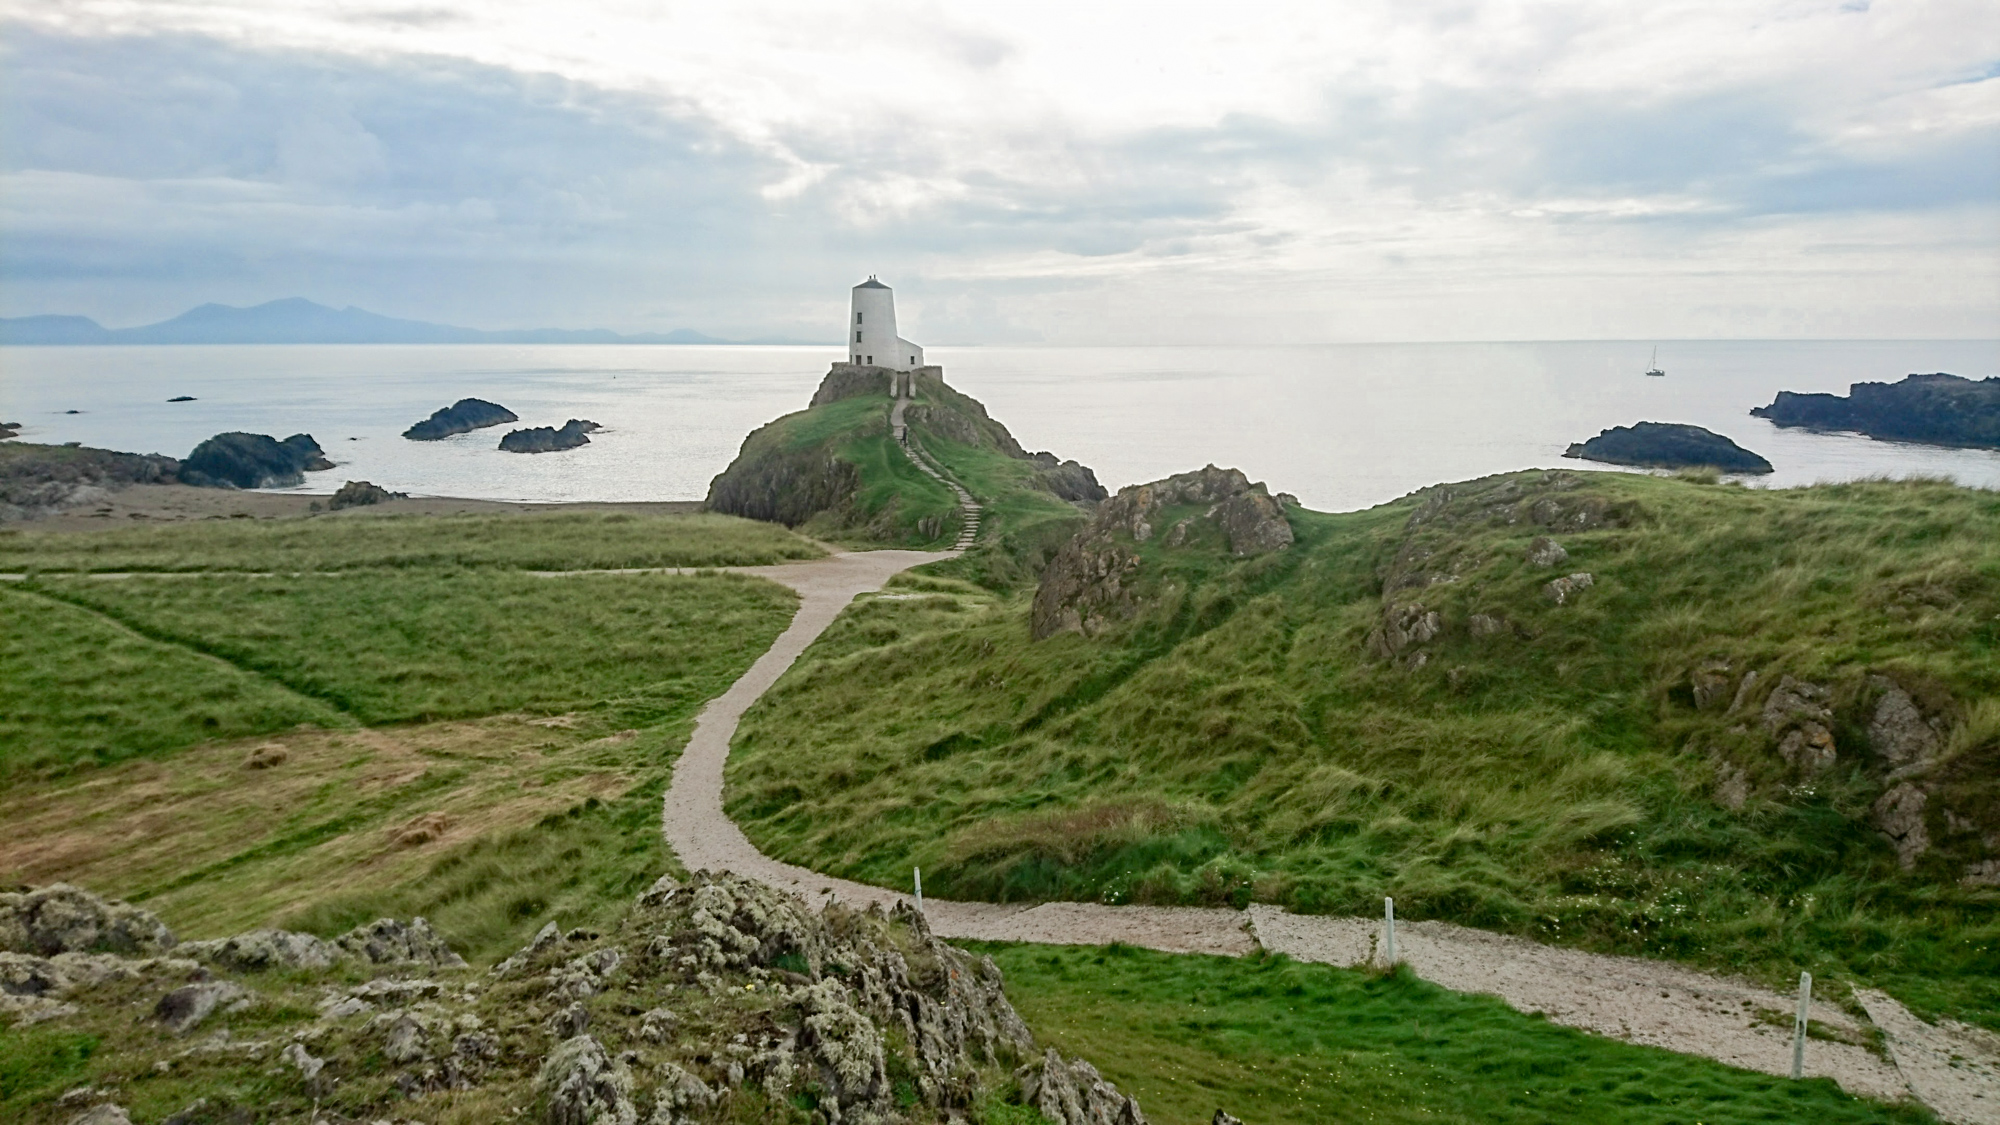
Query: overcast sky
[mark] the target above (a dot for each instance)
(1021, 171)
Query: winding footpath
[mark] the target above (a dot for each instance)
(1951, 1067)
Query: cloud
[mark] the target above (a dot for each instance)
(1290, 172)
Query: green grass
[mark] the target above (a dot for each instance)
(1276, 1042)
(1238, 742)
(408, 645)
(77, 688)
(529, 541)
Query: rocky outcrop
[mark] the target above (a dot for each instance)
(1090, 582)
(1068, 479)
(1074, 1091)
(548, 439)
(240, 460)
(37, 481)
(461, 417)
(1936, 409)
(1544, 551)
(360, 493)
(849, 380)
(61, 918)
(1562, 590)
(1668, 445)
(384, 941)
(1797, 716)
(706, 1002)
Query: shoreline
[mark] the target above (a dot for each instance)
(143, 505)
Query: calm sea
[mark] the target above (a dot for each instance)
(1342, 426)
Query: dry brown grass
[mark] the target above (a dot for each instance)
(273, 825)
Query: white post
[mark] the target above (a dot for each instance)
(1389, 932)
(1799, 1027)
(919, 873)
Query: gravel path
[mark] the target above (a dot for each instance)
(1953, 1068)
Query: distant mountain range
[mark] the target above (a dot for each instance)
(296, 320)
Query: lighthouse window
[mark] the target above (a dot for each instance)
(857, 318)
(857, 337)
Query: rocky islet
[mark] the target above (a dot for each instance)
(461, 417)
(1668, 445)
(1935, 409)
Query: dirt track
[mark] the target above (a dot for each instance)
(1952, 1068)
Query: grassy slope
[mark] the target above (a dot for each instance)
(67, 679)
(1236, 742)
(1281, 1043)
(489, 826)
(532, 541)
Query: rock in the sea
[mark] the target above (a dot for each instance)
(356, 493)
(240, 460)
(1668, 445)
(60, 918)
(1087, 585)
(181, 398)
(461, 417)
(547, 439)
(1936, 409)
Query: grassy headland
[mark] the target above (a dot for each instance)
(835, 472)
(1273, 728)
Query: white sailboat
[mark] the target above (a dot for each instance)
(1654, 370)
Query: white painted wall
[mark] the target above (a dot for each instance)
(871, 330)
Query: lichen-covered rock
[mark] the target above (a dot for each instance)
(183, 1009)
(1898, 732)
(1797, 714)
(387, 941)
(1089, 583)
(1899, 813)
(1222, 1118)
(1402, 627)
(1544, 551)
(60, 918)
(583, 1085)
(103, 1114)
(1561, 590)
(264, 949)
(1073, 1093)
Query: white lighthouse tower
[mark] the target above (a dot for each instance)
(871, 330)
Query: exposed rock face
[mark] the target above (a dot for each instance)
(60, 918)
(1668, 445)
(1069, 479)
(1898, 731)
(1087, 586)
(37, 481)
(1797, 715)
(359, 493)
(461, 417)
(1899, 813)
(240, 460)
(1936, 409)
(387, 941)
(847, 380)
(548, 439)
